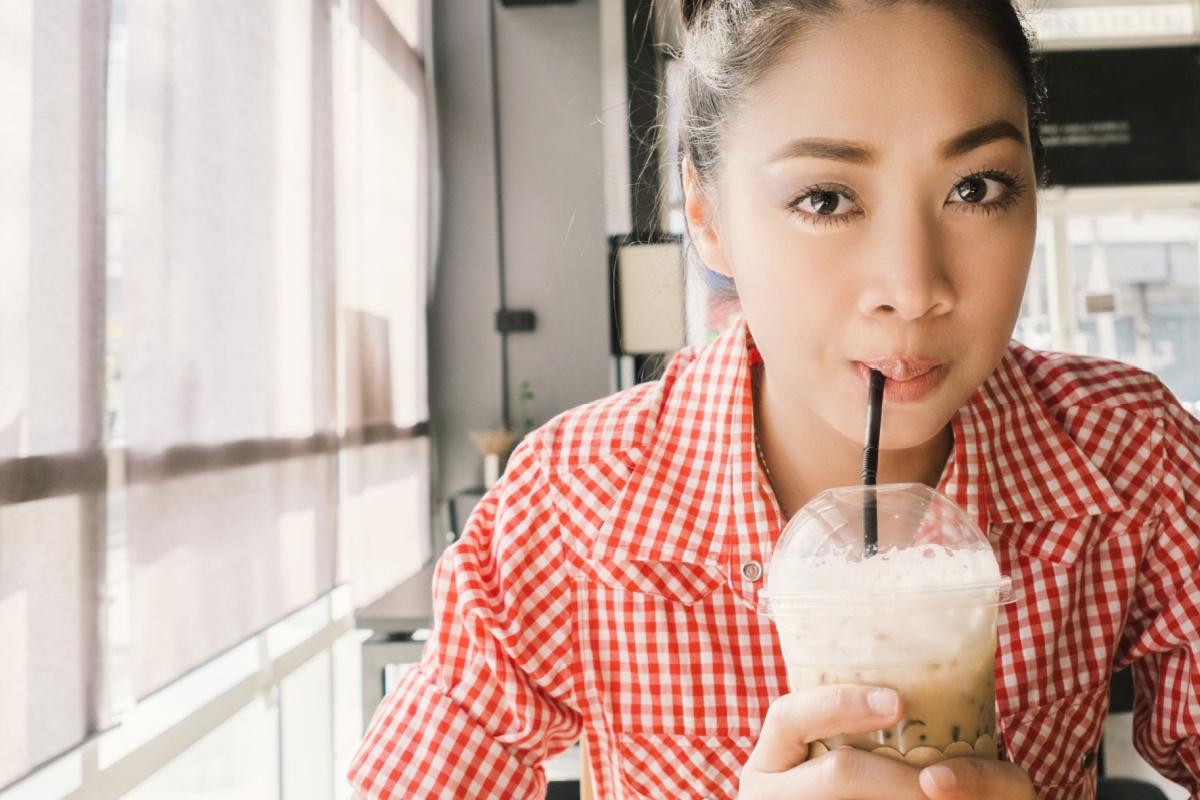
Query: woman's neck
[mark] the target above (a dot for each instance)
(804, 455)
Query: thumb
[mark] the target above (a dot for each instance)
(806, 715)
(971, 778)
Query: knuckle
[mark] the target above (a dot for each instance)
(842, 697)
(841, 766)
(793, 711)
(785, 719)
(778, 712)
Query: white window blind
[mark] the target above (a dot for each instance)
(212, 281)
(231, 508)
(52, 475)
(381, 221)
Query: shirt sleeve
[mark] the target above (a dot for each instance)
(1162, 634)
(493, 696)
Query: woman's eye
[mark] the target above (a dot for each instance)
(824, 203)
(977, 189)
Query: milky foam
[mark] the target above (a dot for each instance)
(920, 605)
(920, 567)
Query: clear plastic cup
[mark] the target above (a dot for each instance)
(919, 616)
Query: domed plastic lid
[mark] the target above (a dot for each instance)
(929, 551)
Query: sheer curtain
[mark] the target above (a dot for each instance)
(231, 508)
(381, 252)
(212, 348)
(273, 285)
(52, 474)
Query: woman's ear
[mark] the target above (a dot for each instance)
(700, 213)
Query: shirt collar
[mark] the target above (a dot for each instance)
(1014, 462)
(697, 495)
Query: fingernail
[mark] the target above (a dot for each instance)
(882, 701)
(942, 776)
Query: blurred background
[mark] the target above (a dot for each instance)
(267, 265)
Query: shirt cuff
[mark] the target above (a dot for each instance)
(422, 744)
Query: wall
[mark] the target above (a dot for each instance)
(551, 229)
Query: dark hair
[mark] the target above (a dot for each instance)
(732, 43)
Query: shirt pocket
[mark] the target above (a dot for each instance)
(1057, 743)
(667, 648)
(655, 766)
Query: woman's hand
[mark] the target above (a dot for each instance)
(976, 779)
(780, 766)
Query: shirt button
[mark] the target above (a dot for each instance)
(752, 570)
(1089, 758)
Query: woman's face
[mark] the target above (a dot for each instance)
(876, 207)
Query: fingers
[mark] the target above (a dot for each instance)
(841, 773)
(977, 779)
(796, 719)
(780, 767)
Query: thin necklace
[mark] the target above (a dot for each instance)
(762, 460)
(762, 457)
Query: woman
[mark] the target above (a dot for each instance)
(864, 172)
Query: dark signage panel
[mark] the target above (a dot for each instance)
(1123, 116)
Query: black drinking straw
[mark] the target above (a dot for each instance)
(870, 464)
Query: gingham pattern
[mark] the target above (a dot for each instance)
(600, 586)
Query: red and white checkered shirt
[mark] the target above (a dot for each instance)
(608, 584)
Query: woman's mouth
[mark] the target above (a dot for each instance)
(908, 379)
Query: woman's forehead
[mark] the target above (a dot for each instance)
(873, 76)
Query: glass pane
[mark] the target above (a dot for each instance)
(55, 781)
(387, 298)
(347, 706)
(1137, 287)
(306, 713)
(152, 717)
(384, 526)
(239, 760)
(1103, 20)
(1034, 325)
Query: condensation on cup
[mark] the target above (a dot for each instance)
(918, 617)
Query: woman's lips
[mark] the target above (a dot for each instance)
(908, 379)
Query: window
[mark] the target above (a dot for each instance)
(213, 436)
(1117, 274)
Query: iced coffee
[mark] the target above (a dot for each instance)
(918, 616)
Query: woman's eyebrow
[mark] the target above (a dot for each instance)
(856, 153)
(832, 149)
(977, 137)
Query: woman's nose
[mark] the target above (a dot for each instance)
(907, 278)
